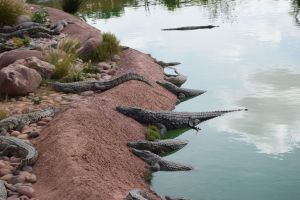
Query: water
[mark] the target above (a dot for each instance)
(252, 60)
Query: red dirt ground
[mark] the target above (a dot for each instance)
(83, 153)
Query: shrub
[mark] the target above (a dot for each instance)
(71, 6)
(26, 41)
(40, 16)
(90, 68)
(10, 10)
(19, 42)
(69, 46)
(108, 47)
(152, 133)
(73, 76)
(3, 114)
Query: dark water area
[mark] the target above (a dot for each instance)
(251, 61)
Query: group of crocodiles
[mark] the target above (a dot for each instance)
(146, 150)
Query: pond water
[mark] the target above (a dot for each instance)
(252, 60)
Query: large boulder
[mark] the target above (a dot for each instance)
(46, 70)
(17, 79)
(10, 57)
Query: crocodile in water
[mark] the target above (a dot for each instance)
(159, 164)
(186, 28)
(168, 120)
(159, 146)
(98, 86)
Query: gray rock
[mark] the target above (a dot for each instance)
(23, 18)
(116, 58)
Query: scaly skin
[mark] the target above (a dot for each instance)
(17, 122)
(185, 28)
(167, 120)
(98, 86)
(181, 93)
(3, 191)
(13, 145)
(137, 194)
(159, 146)
(157, 163)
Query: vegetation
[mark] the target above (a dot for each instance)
(148, 177)
(10, 10)
(73, 76)
(109, 47)
(90, 68)
(152, 133)
(71, 6)
(3, 114)
(70, 46)
(40, 16)
(19, 42)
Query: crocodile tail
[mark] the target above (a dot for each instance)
(128, 77)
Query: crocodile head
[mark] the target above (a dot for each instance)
(143, 154)
(129, 111)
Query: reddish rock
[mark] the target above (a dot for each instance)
(10, 57)
(17, 79)
(25, 190)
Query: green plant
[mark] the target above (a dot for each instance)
(3, 114)
(70, 46)
(40, 16)
(19, 42)
(71, 6)
(109, 46)
(148, 177)
(73, 76)
(26, 41)
(10, 10)
(36, 100)
(90, 68)
(62, 62)
(152, 133)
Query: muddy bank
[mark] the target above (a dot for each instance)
(83, 152)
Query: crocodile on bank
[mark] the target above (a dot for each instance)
(159, 164)
(137, 194)
(181, 93)
(15, 146)
(3, 191)
(159, 146)
(17, 122)
(98, 86)
(168, 120)
(186, 28)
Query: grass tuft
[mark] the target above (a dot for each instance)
(3, 114)
(152, 133)
(40, 16)
(10, 10)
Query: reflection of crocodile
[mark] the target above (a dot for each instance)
(13, 145)
(158, 164)
(181, 93)
(186, 28)
(170, 120)
(99, 86)
(160, 146)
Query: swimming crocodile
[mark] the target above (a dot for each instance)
(159, 146)
(17, 122)
(186, 28)
(98, 86)
(157, 163)
(168, 120)
(12, 145)
(181, 93)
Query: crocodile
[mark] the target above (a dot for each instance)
(137, 194)
(159, 164)
(170, 198)
(17, 122)
(181, 93)
(3, 191)
(98, 86)
(167, 120)
(159, 146)
(12, 145)
(186, 28)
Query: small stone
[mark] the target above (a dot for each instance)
(31, 94)
(33, 125)
(26, 127)
(34, 134)
(2, 163)
(112, 72)
(15, 159)
(106, 77)
(5, 171)
(87, 93)
(27, 169)
(23, 197)
(15, 133)
(116, 58)
(32, 178)
(13, 197)
(23, 136)
(57, 99)
(25, 190)
(5, 158)
(41, 123)
(22, 99)
(13, 100)
(7, 177)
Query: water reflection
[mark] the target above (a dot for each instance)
(272, 123)
(295, 11)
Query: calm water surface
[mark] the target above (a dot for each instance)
(252, 60)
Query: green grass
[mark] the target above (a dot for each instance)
(174, 133)
(109, 47)
(70, 46)
(3, 114)
(152, 133)
(90, 68)
(10, 10)
(73, 76)
(40, 16)
(19, 42)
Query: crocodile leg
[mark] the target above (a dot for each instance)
(193, 124)
(162, 129)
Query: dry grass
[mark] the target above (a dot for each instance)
(10, 10)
